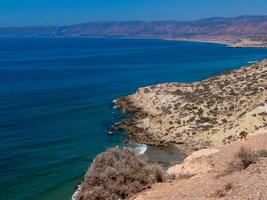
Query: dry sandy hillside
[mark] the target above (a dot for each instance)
(217, 174)
(215, 111)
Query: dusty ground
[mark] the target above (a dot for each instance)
(208, 175)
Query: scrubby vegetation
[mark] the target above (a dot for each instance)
(118, 174)
(222, 192)
(262, 153)
(247, 157)
(206, 119)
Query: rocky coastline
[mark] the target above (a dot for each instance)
(233, 42)
(209, 122)
(230, 42)
(193, 116)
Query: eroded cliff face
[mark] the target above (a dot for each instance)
(192, 116)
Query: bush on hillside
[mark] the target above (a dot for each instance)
(262, 153)
(118, 174)
(247, 157)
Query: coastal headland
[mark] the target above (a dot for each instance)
(192, 116)
(218, 124)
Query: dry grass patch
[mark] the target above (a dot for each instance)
(118, 174)
(247, 157)
(262, 153)
(222, 192)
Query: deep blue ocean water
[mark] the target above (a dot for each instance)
(56, 101)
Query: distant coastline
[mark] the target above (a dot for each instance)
(231, 44)
(242, 31)
(234, 44)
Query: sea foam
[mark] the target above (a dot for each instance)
(253, 61)
(141, 148)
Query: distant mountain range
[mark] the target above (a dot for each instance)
(239, 31)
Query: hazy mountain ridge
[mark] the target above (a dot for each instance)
(229, 30)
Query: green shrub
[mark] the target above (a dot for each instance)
(205, 119)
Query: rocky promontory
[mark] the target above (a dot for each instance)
(220, 124)
(192, 116)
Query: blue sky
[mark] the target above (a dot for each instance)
(63, 12)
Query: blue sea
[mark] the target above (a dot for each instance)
(56, 101)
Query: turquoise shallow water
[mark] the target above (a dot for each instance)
(56, 101)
